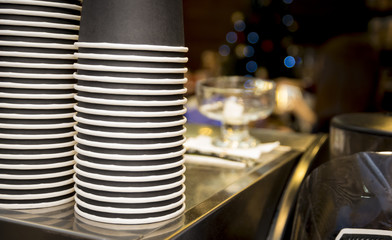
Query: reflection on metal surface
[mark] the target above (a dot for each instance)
(286, 205)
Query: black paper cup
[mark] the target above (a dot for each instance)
(24, 93)
(5, 27)
(108, 79)
(36, 126)
(119, 88)
(128, 187)
(138, 64)
(42, 6)
(37, 37)
(131, 208)
(133, 22)
(121, 53)
(38, 183)
(53, 83)
(36, 47)
(129, 122)
(138, 133)
(120, 111)
(37, 164)
(35, 174)
(130, 75)
(144, 197)
(131, 100)
(134, 89)
(36, 203)
(129, 143)
(37, 18)
(126, 176)
(129, 155)
(133, 165)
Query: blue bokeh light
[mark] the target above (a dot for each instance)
(288, 20)
(253, 37)
(231, 37)
(249, 51)
(289, 61)
(224, 50)
(239, 25)
(288, 1)
(251, 66)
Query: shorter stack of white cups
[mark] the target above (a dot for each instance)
(130, 113)
(36, 102)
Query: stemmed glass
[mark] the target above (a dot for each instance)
(235, 101)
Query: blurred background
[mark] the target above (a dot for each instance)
(327, 57)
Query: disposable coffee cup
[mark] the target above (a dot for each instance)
(134, 165)
(128, 187)
(129, 122)
(133, 22)
(129, 75)
(5, 27)
(130, 100)
(42, 6)
(134, 197)
(36, 203)
(128, 52)
(107, 79)
(116, 63)
(37, 37)
(128, 86)
(138, 133)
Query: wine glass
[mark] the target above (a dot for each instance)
(235, 101)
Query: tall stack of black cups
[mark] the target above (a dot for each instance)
(129, 112)
(37, 102)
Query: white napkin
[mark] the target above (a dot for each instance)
(203, 144)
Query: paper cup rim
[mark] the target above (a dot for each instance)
(130, 135)
(130, 168)
(130, 80)
(38, 34)
(36, 205)
(141, 103)
(128, 146)
(151, 178)
(130, 124)
(129, 113)
(130, 210)
(123, 91)
(130, 200)
(131, 58)
(44, 3)
(120, 157)
(106, 68)
(37, 55)
(38, 45)
(122, 46)
(39, 24)
(39, 14)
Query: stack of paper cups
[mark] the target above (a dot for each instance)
(130, 111)
(37, 102)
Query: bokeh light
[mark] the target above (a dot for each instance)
(231, 37)
(224, 50)
(239, 25)
(249, 51)
(251, 66)
(289, 61)
(288, 20)
(288, 1)
(253, 37)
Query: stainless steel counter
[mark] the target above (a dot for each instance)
(221, 203)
